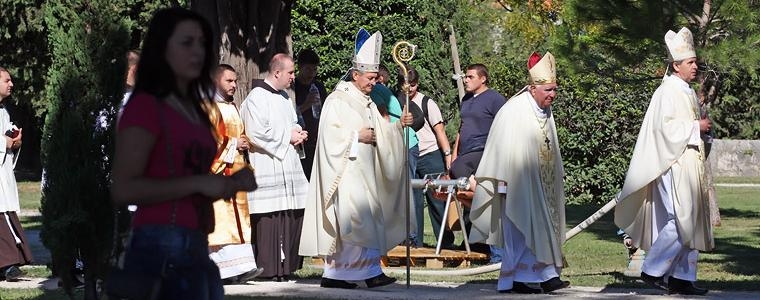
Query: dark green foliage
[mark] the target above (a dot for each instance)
(84, 84)
(603, 36)
(23, 51)
(736, 114)
(329, 27)
(598, 122)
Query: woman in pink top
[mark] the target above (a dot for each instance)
(164, 148)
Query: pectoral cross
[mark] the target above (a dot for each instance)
(546, 140)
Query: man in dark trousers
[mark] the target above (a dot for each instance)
(478, 109)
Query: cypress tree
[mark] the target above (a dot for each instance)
(87, 42)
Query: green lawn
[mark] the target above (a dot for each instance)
(597, 257)
(755, 180)
(29, 194)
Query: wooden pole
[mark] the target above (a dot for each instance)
(455, 59)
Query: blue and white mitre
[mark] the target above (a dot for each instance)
(367, 51)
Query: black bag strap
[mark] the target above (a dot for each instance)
(425, 111)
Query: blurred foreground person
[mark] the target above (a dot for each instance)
(164, 149)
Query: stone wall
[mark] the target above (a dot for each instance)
(735, 158)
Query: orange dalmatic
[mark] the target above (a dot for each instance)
(233, 224)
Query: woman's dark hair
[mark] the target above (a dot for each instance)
(156, 77)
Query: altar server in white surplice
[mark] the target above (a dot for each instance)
(664, 205)
(519, 201)
(276, 207)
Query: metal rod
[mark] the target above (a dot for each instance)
(461, 223)
(443, 225)
(408, 197)
(460, 183)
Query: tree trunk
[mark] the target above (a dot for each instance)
(247, 35)
(709, 88)
(714, 210)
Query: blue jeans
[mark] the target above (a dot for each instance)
(189, 272)
(419, 206)
(432, 163)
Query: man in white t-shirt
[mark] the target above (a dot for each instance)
(434, 157)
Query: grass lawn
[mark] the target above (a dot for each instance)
(29, 199)
(755, 180)
(596, 257)
(29, 194)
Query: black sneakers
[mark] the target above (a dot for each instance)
(554, 284)
(12, 273)
(379, 280)
(522, 288)
(655, 282)
(537, 288)
(335, 283)
(684, 287)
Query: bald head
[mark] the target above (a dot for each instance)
(282, 71)
(279, 61)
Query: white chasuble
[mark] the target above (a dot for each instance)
(522, 151)
(354, 199)
(665, 143)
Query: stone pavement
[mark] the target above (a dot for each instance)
(309, 289)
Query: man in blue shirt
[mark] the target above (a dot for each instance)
(477, 111)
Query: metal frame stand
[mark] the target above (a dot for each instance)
(451, 187)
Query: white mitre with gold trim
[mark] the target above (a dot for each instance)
(367, 51)
(680, 45)
(542, 70)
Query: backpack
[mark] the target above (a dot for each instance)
(418, 115)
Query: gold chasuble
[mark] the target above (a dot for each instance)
(233, 223)
(522, 151)
(356, 189)
(662, 145)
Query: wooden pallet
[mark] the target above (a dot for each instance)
(426, 257)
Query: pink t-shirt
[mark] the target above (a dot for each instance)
(192, 151)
